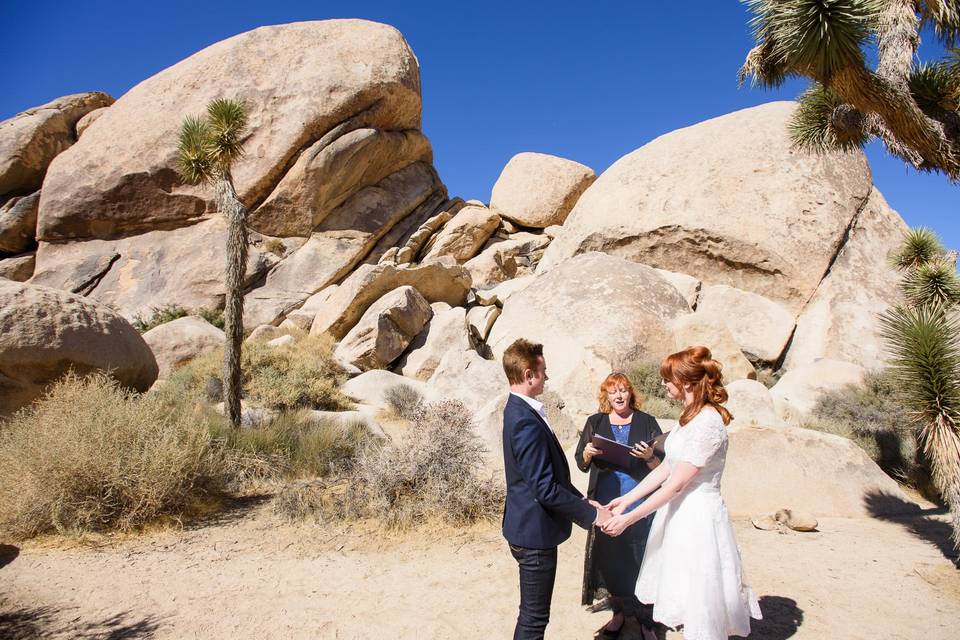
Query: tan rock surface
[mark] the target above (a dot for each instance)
(445, 332)
(505, 259)
(725, 201)
(44, 333)
(567, 309)
(119, 178)
(442, 281)
(463, 236)
(759, 325)
(539, 190)
(385, 330)
(30, 140)
(805, 470)
(840, 321)
(179, 341)
(87, 120)
(18, 268)
(304, 315)
(695, 329)
(18, 223)
(688, 286)
(797, 391)
(751, 404)
(369, 388)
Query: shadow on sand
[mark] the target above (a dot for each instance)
(781, 619)
(43, 622)
(230, 510)
(916, 520)
(8, 553)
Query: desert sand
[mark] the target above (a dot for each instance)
(250, 574)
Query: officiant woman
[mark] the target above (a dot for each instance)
(611, 565)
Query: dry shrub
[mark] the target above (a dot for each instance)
(91, 456)
(768, 377)
(873, 416)
(317, 498)
(433, 473)
(294, 376)
(170, 312)
(403, 400)
(645, 376)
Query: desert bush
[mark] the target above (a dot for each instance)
(91, 456)
(645, 376)
(287, 377)
(874, 416)
(403, 400)
(768, 377)
(434, 473)
(274, 246)
(171, 312)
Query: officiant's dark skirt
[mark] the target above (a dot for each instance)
(611, 566)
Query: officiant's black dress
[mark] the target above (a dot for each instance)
(611, 565)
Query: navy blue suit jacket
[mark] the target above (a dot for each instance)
(541, 501)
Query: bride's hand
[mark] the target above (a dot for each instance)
(613, 504)
(616, 525)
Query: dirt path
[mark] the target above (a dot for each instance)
(254, 576)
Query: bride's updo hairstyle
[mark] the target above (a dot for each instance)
(695, 368)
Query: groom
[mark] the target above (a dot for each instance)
(541, 502)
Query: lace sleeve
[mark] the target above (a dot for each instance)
(703, 441)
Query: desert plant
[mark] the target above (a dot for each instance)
(91, 456)
(403, 400)
(435, 472)
(873, 415)
(275, 246)
(645, 376)
(914, 109)
(208, 148)
(169, 313)
(304, 374)
(768, 377)
(919, 246)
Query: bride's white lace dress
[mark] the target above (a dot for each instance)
(691, 571)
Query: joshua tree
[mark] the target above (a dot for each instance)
(924, 339)
(912, 108)
(208, 146)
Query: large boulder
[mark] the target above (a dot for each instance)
(463, 235)
(840, 321)
(18, 223)
(750, 403)
(441, 281)
(119, 178)
(370, 388)
(385, 330)
(696, 329)
(726, 201)
(30, 140)
(446, 332)
(760, 326)
(804, 470)
(796, 393)
(538, 190)
(182, 267)
(45, 333)
(588, 321)
(179, 341)
(506, 259)
(18, 268)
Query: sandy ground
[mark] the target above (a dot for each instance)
(251, 575)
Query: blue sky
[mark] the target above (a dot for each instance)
(590, 83)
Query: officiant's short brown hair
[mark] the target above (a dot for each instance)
(520, 356)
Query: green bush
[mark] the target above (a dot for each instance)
(654, 400)
(874, 416)
(91, 456)
(170, 312)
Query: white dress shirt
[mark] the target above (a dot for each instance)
(537, 406)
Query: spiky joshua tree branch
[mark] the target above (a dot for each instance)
(207, 149)
(913, 108)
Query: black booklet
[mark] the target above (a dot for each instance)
(613, 451)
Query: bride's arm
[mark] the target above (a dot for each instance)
(653, 480)
(682, 474)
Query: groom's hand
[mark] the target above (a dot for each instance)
(603, 515)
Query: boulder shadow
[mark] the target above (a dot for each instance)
(8, 553)
(915, 519)
(229, 510)
(46, 622)
(781, 619)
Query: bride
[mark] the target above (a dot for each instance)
(691, 571)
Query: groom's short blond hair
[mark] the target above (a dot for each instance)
(520, 356)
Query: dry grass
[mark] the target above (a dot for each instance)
(645, 377)
(170, 312)
(284, 378)
(91, 456)
(403, 400)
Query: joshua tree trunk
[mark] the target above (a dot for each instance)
(236, 215)
(942, 446)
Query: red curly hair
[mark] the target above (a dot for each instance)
(694, 367)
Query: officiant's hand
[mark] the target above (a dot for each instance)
(590, 451)
(616, 525)
(642, 450)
